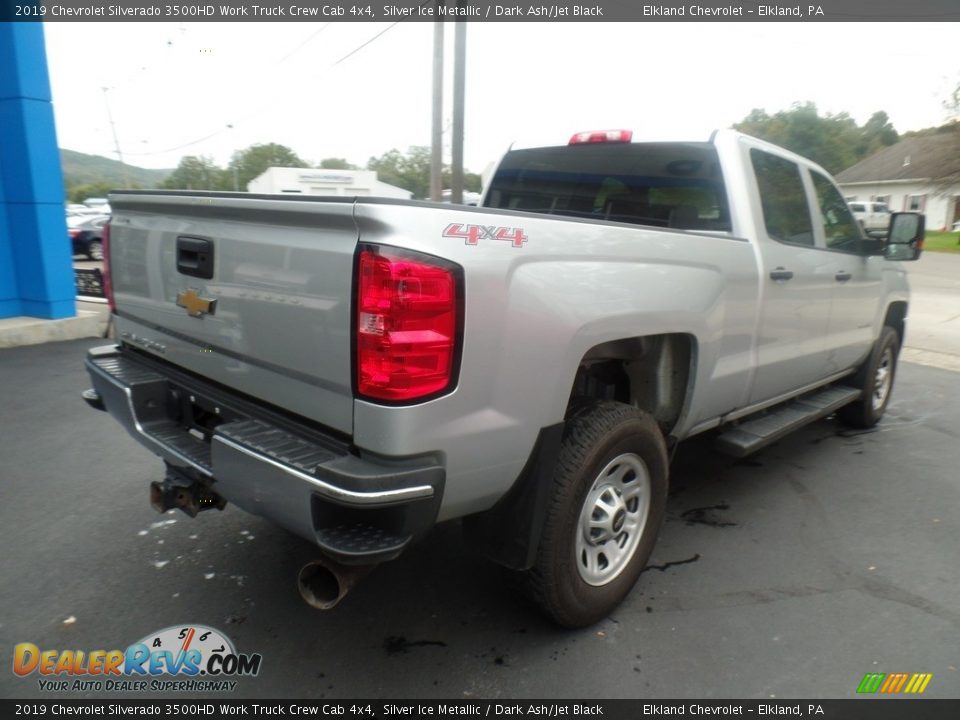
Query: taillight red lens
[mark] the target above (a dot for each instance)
(407, 318)
(107, 282)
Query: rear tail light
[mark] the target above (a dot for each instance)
(408, 324)
(107, 282)
(602, 136)
(73, 232)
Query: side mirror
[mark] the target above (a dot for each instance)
(872, 246)
(905, 238)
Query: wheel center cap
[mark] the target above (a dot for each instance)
(619, 519)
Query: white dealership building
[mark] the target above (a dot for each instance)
(310, 181)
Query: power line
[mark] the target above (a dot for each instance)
(276, 64)
(356, 50)
(116, 142)
(302, 45)
(145, 67)
(185, 145)
(267, 105)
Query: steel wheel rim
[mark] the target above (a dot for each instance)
(882, 379)
(612, 519)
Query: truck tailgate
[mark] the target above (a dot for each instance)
(264, 291)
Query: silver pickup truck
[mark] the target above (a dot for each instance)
(359, 369)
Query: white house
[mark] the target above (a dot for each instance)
(911, 176)
(310, 181)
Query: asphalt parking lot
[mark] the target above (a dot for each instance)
(789, 574)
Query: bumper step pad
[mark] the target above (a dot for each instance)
(277, 444)
(361, 541)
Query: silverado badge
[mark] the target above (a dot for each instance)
(195, 304)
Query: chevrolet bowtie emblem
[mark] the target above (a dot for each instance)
(194, 304)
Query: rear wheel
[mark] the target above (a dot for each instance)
(875, 380)
(607, 506)
(95, 250)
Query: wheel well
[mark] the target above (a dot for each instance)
(896, 318)
(651, 372)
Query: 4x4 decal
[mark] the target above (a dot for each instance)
(473, 234)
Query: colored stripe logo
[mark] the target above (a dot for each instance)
(894, 683)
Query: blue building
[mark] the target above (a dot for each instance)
(36, 273)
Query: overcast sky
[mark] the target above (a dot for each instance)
(172, 85)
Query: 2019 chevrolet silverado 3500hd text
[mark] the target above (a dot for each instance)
(358, 369)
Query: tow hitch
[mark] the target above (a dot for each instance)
(178, 490)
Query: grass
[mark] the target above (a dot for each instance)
(942, 241)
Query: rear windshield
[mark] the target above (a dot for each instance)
(674, 185)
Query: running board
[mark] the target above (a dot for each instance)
(750, 436)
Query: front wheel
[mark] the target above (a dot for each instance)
(875, 380)
(607, 506)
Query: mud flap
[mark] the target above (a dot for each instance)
(509, 532)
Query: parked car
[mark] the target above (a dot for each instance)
(83, 210)
(86, 234)
(874, 217)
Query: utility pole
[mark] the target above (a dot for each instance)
(236, 181)
(436, 142)
(459, 78)
(116, 142)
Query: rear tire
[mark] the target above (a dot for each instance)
(875, 380)
(604, 514)
(95, 250)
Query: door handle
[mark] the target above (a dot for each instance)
(843, 276)
(781, 274)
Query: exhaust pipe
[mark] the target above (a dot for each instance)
(324, 583)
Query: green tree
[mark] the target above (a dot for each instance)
(472, 181)
(195, 173)
(247, 164)
(834, 141)
(877, 133)
(79, 193)
(412, 171)
(335, 164)
(952, 104)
